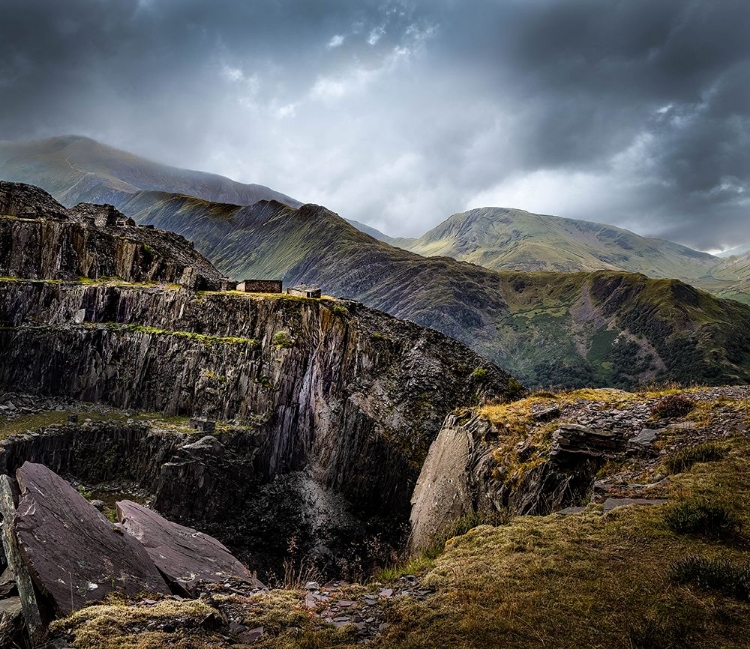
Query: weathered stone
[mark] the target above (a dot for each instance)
(443, 491)
(184, 556)
(71, 551)
(574, 439)
(645, 438)
(8, 585)
(548, 414)
(202, 424)
(615, 503)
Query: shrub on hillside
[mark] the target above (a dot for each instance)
(719, 575)
(672, 406)
(684, 459)
(701, 517)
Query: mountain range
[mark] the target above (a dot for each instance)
(601, 325)
(511, 239)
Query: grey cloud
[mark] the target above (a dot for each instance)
(450, 103)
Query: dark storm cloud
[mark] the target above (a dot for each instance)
(398, 113)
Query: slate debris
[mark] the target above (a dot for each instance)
(73, 554)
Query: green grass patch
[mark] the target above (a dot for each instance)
(720, 575)
(699, 516)
(204, 339)
(684, 459)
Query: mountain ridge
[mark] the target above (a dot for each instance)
(75, 169)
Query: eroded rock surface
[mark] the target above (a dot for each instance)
(39, 238)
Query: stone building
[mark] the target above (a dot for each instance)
(304, 291)
(260, 286)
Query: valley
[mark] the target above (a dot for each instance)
(594, 324)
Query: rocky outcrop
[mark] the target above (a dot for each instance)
(28, 201)
(73, 554)
(184, 556)
(461, 474)
(41, 239)
(547, 454)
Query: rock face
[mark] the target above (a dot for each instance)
(74, 555)
(133, 452)
(41, 239)
(443, 492)
(183, 556)
(337, 403)
(352, 394)
(461, 475)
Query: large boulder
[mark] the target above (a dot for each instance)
(74, 554)
(184, 556)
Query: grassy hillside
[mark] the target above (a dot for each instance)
(508, 239)
(571, 329)
(77, 169)
(732, 278)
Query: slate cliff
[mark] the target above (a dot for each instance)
(342, 399)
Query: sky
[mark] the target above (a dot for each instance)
(398, 113)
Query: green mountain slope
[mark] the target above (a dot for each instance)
(508, 239)
(732, 278)
(77, 169)
(600, 328)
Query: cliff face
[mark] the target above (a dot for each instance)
(341, 402)
(332, 406)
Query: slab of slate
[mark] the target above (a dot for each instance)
(73, 554)
(616, 503)
(184, 556)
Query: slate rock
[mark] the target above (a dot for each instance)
(548, 414)
(184, 556)
(11, 622)
(615, 503)
(71, 551)
(646, 437)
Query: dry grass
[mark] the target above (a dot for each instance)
(583, 581)
(120, 626)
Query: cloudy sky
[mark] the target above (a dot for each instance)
(398, 113)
